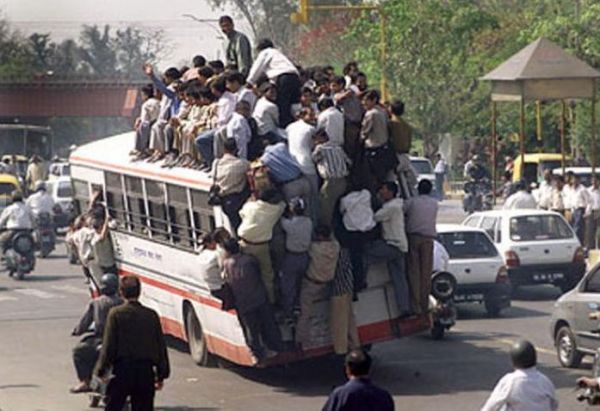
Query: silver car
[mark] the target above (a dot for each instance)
(573, 332)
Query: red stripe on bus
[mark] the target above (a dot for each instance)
(141, 172)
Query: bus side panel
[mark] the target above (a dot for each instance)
(84, 173)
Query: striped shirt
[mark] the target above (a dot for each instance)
(331, 160)
(343, 282)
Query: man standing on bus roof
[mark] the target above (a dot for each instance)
(238, 51)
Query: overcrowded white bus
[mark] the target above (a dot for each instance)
(160, 216)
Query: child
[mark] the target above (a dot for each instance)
(148, 115)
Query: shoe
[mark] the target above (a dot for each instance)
(81, 388)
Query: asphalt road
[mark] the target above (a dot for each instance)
(37, 315)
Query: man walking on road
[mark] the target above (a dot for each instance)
(135, 348)
(441, 169)
(526, 388)
(359, 393)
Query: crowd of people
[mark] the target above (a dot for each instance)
(305, 164)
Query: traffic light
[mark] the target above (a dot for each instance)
(301, 16)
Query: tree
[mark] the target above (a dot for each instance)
(97, 50)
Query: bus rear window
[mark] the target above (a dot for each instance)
(539, 228)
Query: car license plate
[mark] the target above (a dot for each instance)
(468, 297)
(548, 277)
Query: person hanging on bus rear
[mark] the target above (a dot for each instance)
(242, 273)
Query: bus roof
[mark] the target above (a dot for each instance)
(28, 127)
(112, 154)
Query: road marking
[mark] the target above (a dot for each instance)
(37, 293)
(71, 289)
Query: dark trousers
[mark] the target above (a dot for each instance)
(591, 228)
(133, 379)
(439, 185)
(231, 205)
(288, 93)
(420, 268)
(578, 224)
(85, 355)
(293, 268)
(260, 328)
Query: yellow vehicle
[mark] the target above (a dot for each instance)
(8, 184)
(535, 165)
(20, 162)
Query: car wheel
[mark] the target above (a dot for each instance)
(566, 348)
(196, 340)
(492, 309)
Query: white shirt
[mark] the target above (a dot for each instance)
(239, 129)
(332, 120)
(247, 95)
(567, 196)
(16, 216)
(82, 239)
(545, 195)
(440, 257)
(391, 217)
(440, 167)
(40, 202)
(357, 211)
(580, 197)
(300, 145)
(266, 115)
(520, 200)
(208, 266)
(150, 110)
(523, 390)
(594, 203)
(225, 108)
(272, 63)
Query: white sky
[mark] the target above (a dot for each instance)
(63, 19)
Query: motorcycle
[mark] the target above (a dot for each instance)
(441, 301)
(45, 234)
(478, 196)
(591, 394)
(19, 257)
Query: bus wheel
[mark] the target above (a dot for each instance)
(196, 341)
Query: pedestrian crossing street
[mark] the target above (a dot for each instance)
(23, 292)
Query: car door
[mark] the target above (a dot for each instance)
(587, 301)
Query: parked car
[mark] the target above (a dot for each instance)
(584, 173)
(424, 170)
(478, 267)
(538, 247)
(59, 169)
(62, 192)
(571, 328)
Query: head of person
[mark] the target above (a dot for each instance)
(231, 247)
(547, 175)
(337, 84)
(204, 74)
(217, 65)
(234, 81)
(320, 136)
(350, 68)
(198, 61)
(192, 96)
(576, 180)
(243, 107)
(307, 115)
(322, 82)
(388, 191)
(370, 99)
(147, 92)
(171, 74)
(357, 364)
(206, 96)
(130, 287)
(329, 72)
(218, 87)
(596, 181)
(569, 177)
(397, 108)
(109, 284)
(325, 103)
(40, 186)
(424, 187)
(208, 242)
(297, 206)
(523, 355)
(230, 146)
(438, 156)
(323, 233)
(559, 182)
(16, 196)
(307, 97)
(268, 91)
(226, 25)
(360, 80)
(264, 44)
(220, 235)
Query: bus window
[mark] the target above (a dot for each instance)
(114, 198)
(81, 195)
(204, 220)
(179, 217)
(157, 209)
(135, 204)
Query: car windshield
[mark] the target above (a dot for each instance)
(539, 228)
(64, 189)
(461, 245)
(422, 166)
(6, 188)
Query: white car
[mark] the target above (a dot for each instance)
(423, 168)
(477, 266)
(538, 247)
(62, 192)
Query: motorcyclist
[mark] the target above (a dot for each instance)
(14, 218)
(474, 170)
(85, 353)
(41, 201)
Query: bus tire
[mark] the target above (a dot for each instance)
(196, 340)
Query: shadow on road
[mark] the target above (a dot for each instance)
(53, 256)
(11, 386)
(536, 293)
(476, 311)
(43, 277)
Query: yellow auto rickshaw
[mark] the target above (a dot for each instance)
(8, 184)
(535, 165)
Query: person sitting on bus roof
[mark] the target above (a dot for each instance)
(242, 273)
(259, 216)
(323, 254)
(239, 129)
(36, 171)
(298, 234)
(235, 83)
(266, 114)
(307, 100)
(217, 65)
(148, 115)
(173, 129)
(192, 73)
(332, 120)
(229, 173)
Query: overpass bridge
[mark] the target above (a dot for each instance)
(73, 96)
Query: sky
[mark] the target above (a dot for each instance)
(63, 19)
